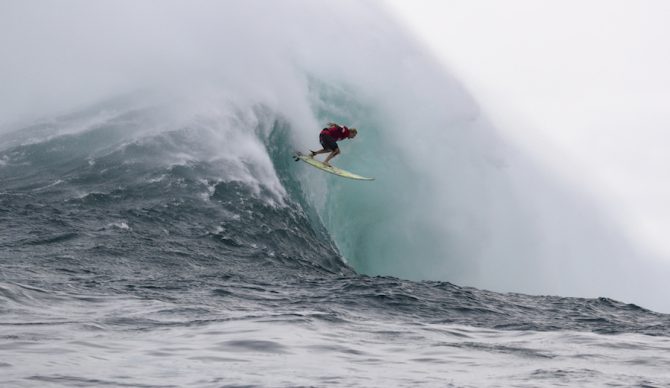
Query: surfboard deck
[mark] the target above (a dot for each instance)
(333, 170)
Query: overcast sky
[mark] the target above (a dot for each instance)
(584, 86)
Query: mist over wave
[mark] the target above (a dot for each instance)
(252, 81)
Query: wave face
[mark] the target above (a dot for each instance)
(159, 232)
(113, 197)
(452, 200)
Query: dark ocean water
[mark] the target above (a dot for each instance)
(125, 260)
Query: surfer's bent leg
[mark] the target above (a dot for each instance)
(329, 145)
(333, 154)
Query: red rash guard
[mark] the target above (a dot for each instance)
(337, 133)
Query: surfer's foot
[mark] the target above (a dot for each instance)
(312, 153)
(327, 164)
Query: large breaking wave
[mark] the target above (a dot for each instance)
(211, 108)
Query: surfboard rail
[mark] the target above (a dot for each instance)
(333, 170)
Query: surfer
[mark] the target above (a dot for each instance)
(329, 137)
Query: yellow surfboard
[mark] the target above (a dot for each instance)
(333, 170)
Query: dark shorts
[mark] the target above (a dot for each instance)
(327, 142)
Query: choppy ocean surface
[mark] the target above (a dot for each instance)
(122, 264)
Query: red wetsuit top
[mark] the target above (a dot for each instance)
(336, 132)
